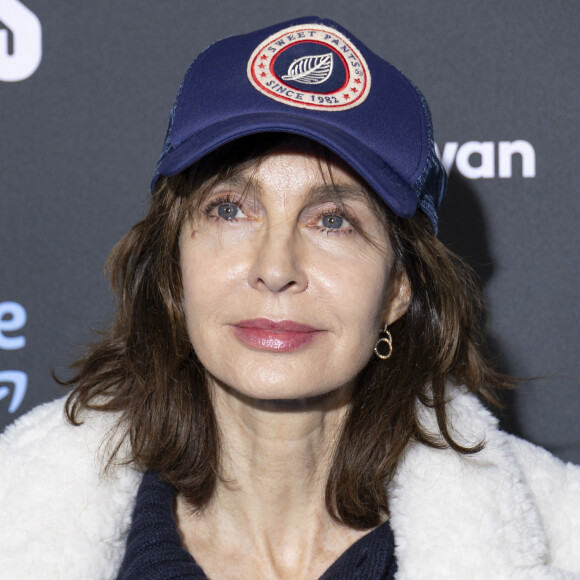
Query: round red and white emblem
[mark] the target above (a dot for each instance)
(312, 67)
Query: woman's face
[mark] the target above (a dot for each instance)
(283, 297)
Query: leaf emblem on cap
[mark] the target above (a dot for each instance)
(310, 70)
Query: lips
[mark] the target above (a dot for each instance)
(274, 336)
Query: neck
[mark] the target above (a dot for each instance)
(268, 512)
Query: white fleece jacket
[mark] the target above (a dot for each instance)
(509, 512)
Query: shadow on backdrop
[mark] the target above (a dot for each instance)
(462, 228)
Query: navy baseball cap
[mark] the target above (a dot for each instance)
(313, 78)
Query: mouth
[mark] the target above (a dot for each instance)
(275, 336)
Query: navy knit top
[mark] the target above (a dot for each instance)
(155, 551)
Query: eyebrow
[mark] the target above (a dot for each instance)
(338, 193)
(237, 179)
(317, 194)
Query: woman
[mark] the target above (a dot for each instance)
(289, 389)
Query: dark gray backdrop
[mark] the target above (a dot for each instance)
(80, 136)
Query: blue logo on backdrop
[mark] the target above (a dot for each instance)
(20, 41)
(12, 320)
(19, 381)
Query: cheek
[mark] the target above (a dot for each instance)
(211, 272)
(206, 263)
(360, 281)
(197, 273)
(356, 291)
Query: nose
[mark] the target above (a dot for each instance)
(278, 264)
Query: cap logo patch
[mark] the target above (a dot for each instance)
(311, 67)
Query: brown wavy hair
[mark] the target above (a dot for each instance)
(145, 369)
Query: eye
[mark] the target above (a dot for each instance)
(332, 222)
(229, 211)
(224, 208)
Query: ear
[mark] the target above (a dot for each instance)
(399, 298)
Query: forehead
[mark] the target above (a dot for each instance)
(298, 165)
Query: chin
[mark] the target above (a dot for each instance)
(283, 395)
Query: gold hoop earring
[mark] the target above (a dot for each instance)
(386, 339)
